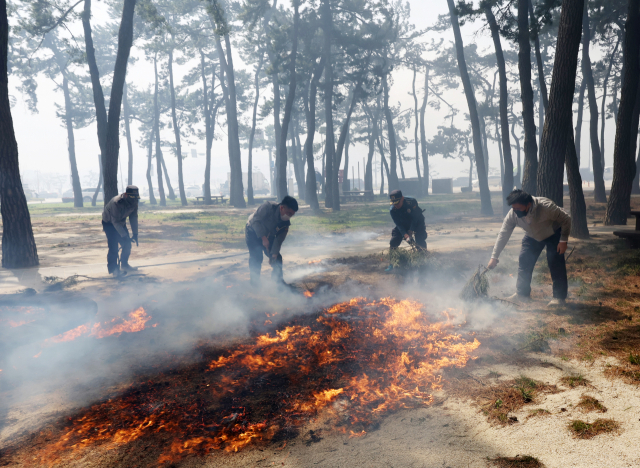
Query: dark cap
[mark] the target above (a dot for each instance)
(395, 197)
(132, 192)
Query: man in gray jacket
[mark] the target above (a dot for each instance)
(265, 232)
(545, 225)
(114, 225)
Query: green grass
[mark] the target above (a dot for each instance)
(585, 430)
(574, 381)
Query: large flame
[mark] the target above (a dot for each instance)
(354, 362)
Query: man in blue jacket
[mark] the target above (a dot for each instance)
(409, 220)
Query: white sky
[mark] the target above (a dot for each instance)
(42, 140)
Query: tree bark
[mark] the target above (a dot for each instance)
(176, 131)
(507, 183)
(583, 87)
(99, 187)
(599, 193)
(281, 175)
(208, 128)
(485, 194)
(604, 99)
(518, 177)
(254, 120)
(557, 123)
(624, 166)
(393, 149)
(346, 186)
(344, 131)
(127, 129)
(416, 142)
(311, 195)
(541, 75)
(75, 178)
(152, 197)
(373, 136)
(18, 244)
(526, 92)
(172, 195)
(423, 135)
(579, 228)
(330, 148)
(156, 132)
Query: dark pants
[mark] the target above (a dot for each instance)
(531, 250)
(420, 236)
(256, 252)
(113, 239)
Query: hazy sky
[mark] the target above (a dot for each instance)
(42, 140)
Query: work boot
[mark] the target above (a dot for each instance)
(117, 273)
(518, 298)
(126, 267)
(555, 302)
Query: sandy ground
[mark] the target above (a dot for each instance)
(452, 433)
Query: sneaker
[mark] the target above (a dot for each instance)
(555, 302)
(518, 298)
(127, 267)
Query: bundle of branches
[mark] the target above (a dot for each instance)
(477, 286)
(413, 258)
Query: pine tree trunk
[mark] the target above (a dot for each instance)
(624, 166)
(507, 183)
(583, 87)
(311, 196)
(18, 244)
(526, 92)
(485, 194)
(75, 178)
(172, 195)
(346, 186)
(518, 177)
(176, 131)
(416, 143)
(541, 76)
(423, 135)
(344, 131)
(156, 132)
(603, 110)
(254, 120)
(373, 136)
(330, 148)
(557, 123)
(393, 149)
(579, 228)
(112, 142)
(99, 187)
(599, 193)
(152, 197)
(127, 129)
(207, 105)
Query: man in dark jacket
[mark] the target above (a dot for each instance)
(114, 225)
(265, 232)
(409, 220)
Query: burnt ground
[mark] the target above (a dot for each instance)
(517, 397)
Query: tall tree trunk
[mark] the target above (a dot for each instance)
(127, 129)
(400, 163)
(344, 131)
(254, 120)
(112, 142)
(172, 195)
(346, 186)
(518, 177)
(557, 124)
(526, 92)
(604, 99)
(485, 194)
(311, 196)
(624, 166)
(636, 180)
(330, 147)
(152, 197)
(75, 178)
(176, 131)
(281, 174)
(156, 132)
(393, 148)
(208, 128)
(297, 163)
(507, 183)
(416, 143)
(423, 135)
(599, 193)
(583, 87)
(579, 227)
(541, 75)
(373, 136)
(18, 244)
(99, 187)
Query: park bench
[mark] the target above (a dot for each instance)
(632, 236)
(366, 196)
(215, 200)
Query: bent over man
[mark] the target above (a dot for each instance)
(409, 220)
(265, 232)
(114, 219)
(545, 225)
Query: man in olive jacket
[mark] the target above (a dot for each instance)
(265, 232)
(545, 225)
(114, 225)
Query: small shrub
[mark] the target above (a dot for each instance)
(585, 430)
(574, 381)
(588, 403)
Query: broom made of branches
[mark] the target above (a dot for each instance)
(477, 286)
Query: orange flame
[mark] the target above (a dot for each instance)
(308, 294)
(311, 262)
(135, 323)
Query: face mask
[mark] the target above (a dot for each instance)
(285, 217)
(520, 214)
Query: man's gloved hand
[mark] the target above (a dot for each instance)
(135, 239)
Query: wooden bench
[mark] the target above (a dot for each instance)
(632, 236)
(215, 200)
(366, 196)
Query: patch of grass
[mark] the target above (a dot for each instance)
(631, 376)
(634, 359)
(584, 430)
(493, 374)
(538, 412)
(410, 259)
(519, 461)
(588, 403)
(574, 381)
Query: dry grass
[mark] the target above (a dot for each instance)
(519, 461)
(628, 374)
(573, 381)
(538, 412)
(584, 430)
(588, 403)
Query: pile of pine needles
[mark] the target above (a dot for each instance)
(413, 258)
(477, 287)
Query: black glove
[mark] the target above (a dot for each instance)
(135, 238)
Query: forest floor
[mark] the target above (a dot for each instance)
(529, 391)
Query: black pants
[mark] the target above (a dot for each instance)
(420, 236)
(113, 239)
(531, 250)
(256, 252)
